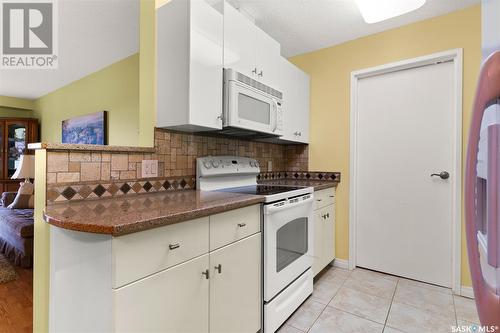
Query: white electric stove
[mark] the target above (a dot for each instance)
(287, 231)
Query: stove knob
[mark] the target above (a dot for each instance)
(215, 164)
(207, 164)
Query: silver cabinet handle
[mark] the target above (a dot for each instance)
(261, 74)
(174, 246)
(254, 70)
(206, 273)
(241, 225)
(218, 268)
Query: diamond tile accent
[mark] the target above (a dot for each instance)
(147, 186)
(85, 191)
(99, 190)
(137, 187)
(68, 193)
(112, 189)
(125, 188)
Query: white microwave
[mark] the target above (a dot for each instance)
(250, 107)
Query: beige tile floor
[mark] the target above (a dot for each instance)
(364, 301)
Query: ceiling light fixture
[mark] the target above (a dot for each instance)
(374, 11)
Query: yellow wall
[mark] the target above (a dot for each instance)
(17, 113)
(330, 71)
(147, 99)
(16, 107)
(16, 103)
(114, 89)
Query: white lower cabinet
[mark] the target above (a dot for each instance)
(187, 299)
(175, 300)
(160, 280)
(235, 288)
(324, 229)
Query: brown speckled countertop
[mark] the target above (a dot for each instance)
(124, 215)
(317, 184)
(84, 147)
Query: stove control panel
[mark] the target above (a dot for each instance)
(226, 165)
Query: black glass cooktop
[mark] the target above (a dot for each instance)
(261, 189)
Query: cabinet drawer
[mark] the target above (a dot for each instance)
(143, 253)
(324, 198)
(231, 226)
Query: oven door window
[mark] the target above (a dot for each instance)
(250, 108)
(291, 242)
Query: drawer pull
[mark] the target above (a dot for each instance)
(174, 246)
(206, 273)
(332, 196)
(241, 225)
(218, 268)
(319, 199)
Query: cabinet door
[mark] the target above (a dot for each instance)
(175, 300)
(268, 59)
(15, 145)
(302, 104)
(318, 242)
(328, 234)
(239, 42)
(235, 289)
(205, 82)
(295, 86)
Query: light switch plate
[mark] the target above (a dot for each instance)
(149, 168)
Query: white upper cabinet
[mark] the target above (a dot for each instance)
(189, 65)
(295, 85)
(249, 50)
(268, 58)
(240, 42)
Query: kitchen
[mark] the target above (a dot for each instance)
(256, 197)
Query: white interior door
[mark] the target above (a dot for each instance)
(404, 133)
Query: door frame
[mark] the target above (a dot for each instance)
(455, 56)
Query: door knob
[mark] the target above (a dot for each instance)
(442, 175)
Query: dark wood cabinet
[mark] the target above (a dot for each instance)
(15, 135)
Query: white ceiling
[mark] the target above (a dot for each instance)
(302, 26)
(92, 35)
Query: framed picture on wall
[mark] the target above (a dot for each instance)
(87, 129)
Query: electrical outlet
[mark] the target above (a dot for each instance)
(269, 166)
(149, 168)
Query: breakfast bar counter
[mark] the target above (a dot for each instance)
(128, 214)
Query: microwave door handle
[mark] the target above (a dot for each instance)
(275, 109)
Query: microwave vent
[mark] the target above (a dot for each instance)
(260, 86)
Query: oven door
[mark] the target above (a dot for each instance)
(288, 243)
(250, 109)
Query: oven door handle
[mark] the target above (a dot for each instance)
(271, 209)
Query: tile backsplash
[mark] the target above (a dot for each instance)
(176, 154)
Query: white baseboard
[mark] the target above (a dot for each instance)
(467, 292)
(341, 263)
